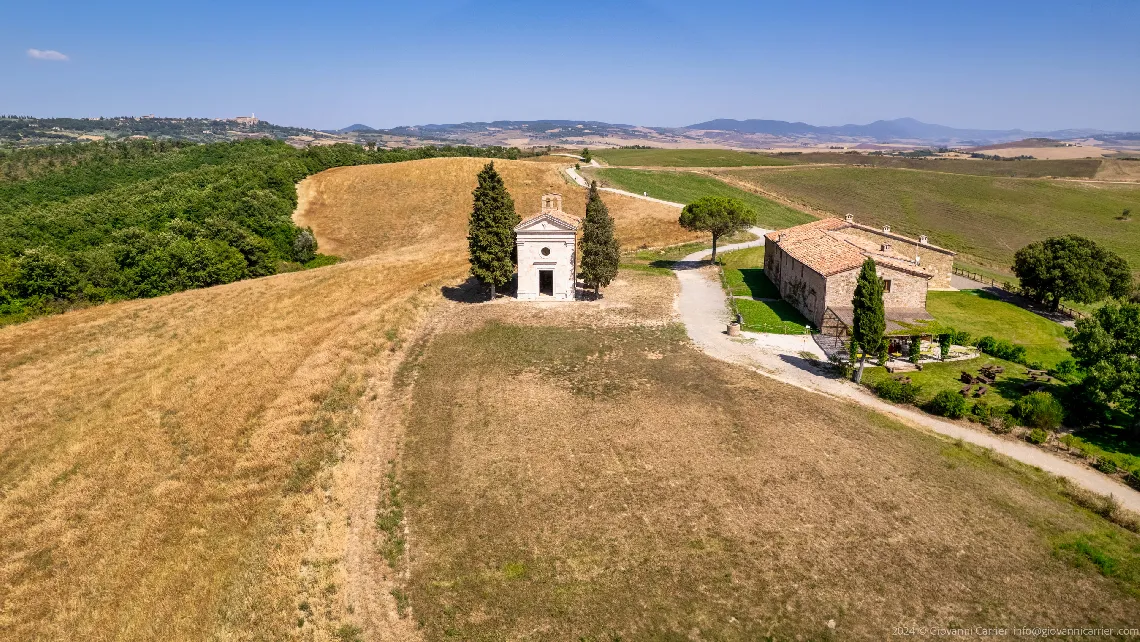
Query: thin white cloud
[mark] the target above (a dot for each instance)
(47, 54)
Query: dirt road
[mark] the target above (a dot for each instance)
(701, 305)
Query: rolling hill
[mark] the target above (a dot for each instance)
(164, 463)
(212, 464)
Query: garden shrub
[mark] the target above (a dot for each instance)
(944, 342)
(1066, 370)
(996, 419)
(896, 391)
(1001, 423)
(959, 337)
(1002, 349)
(1038, 436)
(915, 352)
(1105, 466)
(948, 403)
(1039, 410)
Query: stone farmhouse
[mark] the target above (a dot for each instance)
(815, 267)
(546, 251)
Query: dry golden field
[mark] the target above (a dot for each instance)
(583, 473)
(350, 208)
(203, 465)
(208, 465)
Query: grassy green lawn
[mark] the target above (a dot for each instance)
(1119, 445)
(985, 217)
(775, 317)
(661, 259)
(936, 377)
(685, 187)
(981, 314)
(686, 158)
(743, 275)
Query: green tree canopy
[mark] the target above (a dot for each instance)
(1071, 267)
(1107, 347)
(491, 230)
(718, 215)
(600, 250)
(870, 323)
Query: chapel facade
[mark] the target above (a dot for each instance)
(546, 245)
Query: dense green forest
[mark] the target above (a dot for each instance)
(94, 222)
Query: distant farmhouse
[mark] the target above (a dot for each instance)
(815, 267)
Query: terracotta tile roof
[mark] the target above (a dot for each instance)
(823, 247)
(823, 253)
(807, 229)
(557, 214)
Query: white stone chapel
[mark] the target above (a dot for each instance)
(546, 246)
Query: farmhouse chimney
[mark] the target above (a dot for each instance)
(850, 218)
(780, 239)
(922, 240)
(886, 229)
(885, 247)
(918, 259)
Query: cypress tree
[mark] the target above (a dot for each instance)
(600, 253)
(491, 231)
(870, 317)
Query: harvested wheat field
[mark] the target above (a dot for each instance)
(358, 211)
(209, 465)
(578, 479)
(205, 465)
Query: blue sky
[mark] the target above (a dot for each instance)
(995, 64)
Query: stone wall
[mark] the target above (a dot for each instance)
(803, 288)
(940, 263)
(907, 290)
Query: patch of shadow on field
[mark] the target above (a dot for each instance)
(814, 366)
(472, 291)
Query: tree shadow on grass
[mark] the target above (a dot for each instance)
(472, 291)
(759, 284)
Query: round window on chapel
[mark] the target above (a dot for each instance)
(546, 251)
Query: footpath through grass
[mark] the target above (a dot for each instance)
(985, 217)
(686, 187)
(661, 260)
(687, 158)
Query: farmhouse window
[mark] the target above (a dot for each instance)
(886, 285)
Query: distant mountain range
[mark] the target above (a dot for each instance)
(899, 129)
(746, 133)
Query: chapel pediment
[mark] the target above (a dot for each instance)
(550, 218)
(548, 221)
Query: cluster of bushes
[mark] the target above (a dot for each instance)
(1039, 411)
(95, 222)
(897, 391)
(1002, 349)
